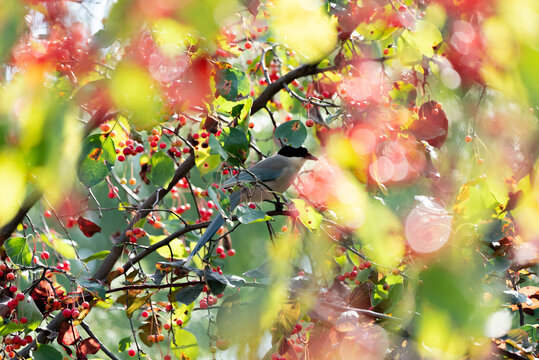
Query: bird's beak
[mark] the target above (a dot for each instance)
(310, 157)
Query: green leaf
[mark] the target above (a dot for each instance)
(96, 159)
(236, 144)
(292, 133)
(221, 200)
(9, 328)
(307, 214)
(18, 251)
(161, 169)
(28, 309)
(177, 246)
(206, 162)
(259, 272)
(136, 304)
(185, 346)
(124, 344)
(189, 294)
(97, 256)
(64, 247)
(403, 93)
(494, 230)
(216, 282)
(232, 84)
(95, 288)
(287, 318)
(246, 215)
(46, 352)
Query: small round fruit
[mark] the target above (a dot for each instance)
(166, 326)
(231, 252)
(145, 314)
(67, 313)
(131, 352)
(45, 255)
(309, 123)
(248, 45)
(468, 139)
(86, 304)
(160, 337)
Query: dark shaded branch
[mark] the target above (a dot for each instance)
(143, 210)
(157, 287)
(9, 228)
(277, 85)
(103, 347)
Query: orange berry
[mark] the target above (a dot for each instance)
(468, 139)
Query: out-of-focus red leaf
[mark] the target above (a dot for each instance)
(87, 227)
(252, 6)
(431, 125)
(513, 200)
(89, 346)
(67, 334)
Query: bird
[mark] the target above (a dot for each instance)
(269, 177)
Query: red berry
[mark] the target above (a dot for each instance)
(168, 307)
(166, 326)
(86, 305)
(23, 320)
(248, 45)
(139, 149)
(13, 288)
(252, 206)
(219, 250)
(386, 287)
(121, 158)
(67, 313)
(204, 303)
(179, 322)
(45, 255)
(47, 213)
(10, 276)
(75, 313)
(231, 252)
(162, 145)
(131, 352)
(309, 123)
(468, 139)
(145, 314)
(402, 8)
(386, 51)
(222, 255)
(167, 357)
(20, 296)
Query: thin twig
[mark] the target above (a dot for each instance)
(92, 335)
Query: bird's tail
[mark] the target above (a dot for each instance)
(214, 226)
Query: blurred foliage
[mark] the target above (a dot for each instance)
(414, 235)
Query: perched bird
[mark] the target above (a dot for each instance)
(269, 177)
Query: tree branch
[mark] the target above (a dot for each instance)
(103, 347)
(9, 228)
(143, 210)
(277, 85)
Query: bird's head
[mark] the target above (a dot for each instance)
(299, 152)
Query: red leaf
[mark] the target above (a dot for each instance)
(89, 346)
(432, 124)
(87, 227)
(252, 6)
(68, 334)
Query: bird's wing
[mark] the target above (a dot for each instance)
(266, 170)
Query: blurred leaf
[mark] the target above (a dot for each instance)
(133, 89)
(286, 319)
(308, 215)
(177, 246)
(64, 247)
(11, 24)
(89, 346)
(161, 169)
(18, 251)
(260, 272)
(232, 84)
(494, 230)
(124, 344)
(96, 159)
(227, 319)
(97, 256)
(292, 133)
(185, 346)
(28, 309)
(46, 352)
(136, 304)
(403, 93)
(189, 294)
(246, 215)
